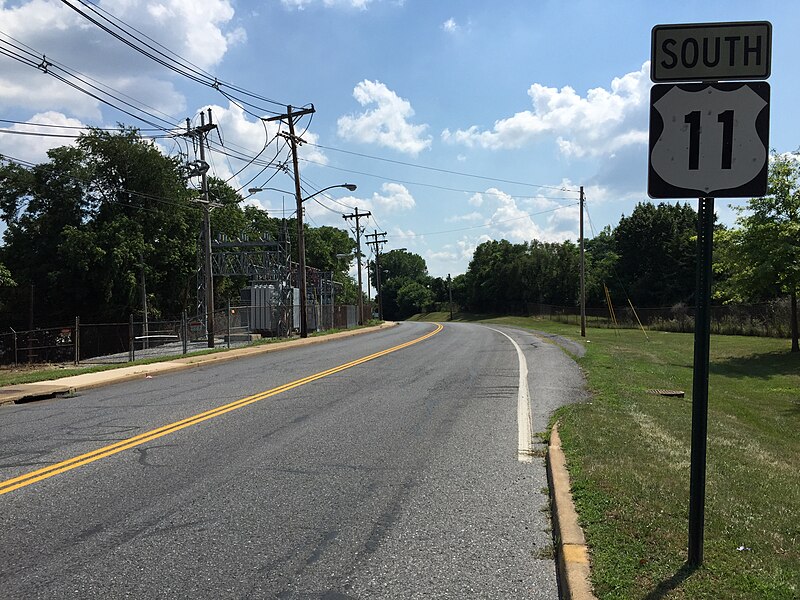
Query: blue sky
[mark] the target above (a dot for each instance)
(460, 121)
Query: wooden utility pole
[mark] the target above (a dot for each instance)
(201, 133)
(357, 215)
(295, 141)
(375, 244)
(450, 294)
(583, 274)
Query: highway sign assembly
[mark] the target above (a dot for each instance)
(709, 140)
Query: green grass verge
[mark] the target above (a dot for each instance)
(629, 453)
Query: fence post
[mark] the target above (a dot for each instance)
(185, 332)
(229, 322)
(131, 340)
(15, 345)
(77, 340)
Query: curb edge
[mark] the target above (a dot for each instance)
(572, 556)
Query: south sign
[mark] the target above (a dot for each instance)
(711, 51)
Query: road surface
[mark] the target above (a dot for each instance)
(380, 466)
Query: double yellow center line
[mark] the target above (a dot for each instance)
(21, 481)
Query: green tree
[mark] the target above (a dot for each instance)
(38, 205)
(399, 268)
(657, 254)
(761, 258)
(85, 226)
(413, 297)
(504, 278)
(601, 264)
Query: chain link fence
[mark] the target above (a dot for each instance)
(110, 343)
(769, 319)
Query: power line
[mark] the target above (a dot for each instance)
(430, 185)
(493, 223)
(23, 53)
(448, 171)
(78, 127)
(169, 59)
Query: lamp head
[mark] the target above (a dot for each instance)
(350, 186)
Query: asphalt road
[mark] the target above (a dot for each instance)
(393, 478)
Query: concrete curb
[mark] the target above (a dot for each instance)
(85, 381)
(572, 556)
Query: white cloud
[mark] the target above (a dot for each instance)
(34, 148)
(472, 217)
(450, 26)
(198, 32)
(598, 124)
(407, 235)
(302, 4)
(476, 200)
(387, 124)
(395, 197)
(511, 222)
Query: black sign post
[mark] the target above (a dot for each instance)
(702, 342)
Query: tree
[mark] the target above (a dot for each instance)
(656, 249)
(762, 257)
(86, 226)
(601, 262)
(504, 277)
(400, 268)
(413, 297)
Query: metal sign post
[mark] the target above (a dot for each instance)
(702, 342)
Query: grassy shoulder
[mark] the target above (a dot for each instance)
(629, 453)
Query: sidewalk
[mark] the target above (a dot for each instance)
(26, 392)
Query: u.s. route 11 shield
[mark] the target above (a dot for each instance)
(709, 140)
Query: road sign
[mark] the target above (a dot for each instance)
(708, 140)
(711, 51)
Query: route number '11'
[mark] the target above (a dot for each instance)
(693, 120)
(708, 140)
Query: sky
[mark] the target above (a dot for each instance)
(460, 121)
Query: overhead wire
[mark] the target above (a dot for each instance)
(493, 223)
(439, 170)
(169, 59)
(430, 185)
(85, 84)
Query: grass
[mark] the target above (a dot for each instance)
(629, 453)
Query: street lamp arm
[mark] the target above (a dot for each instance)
(349, 186)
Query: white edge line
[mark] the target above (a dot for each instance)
(523, 405)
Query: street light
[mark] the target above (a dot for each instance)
(301, 244)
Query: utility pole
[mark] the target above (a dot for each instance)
(146, 329)
(202, 133)
(583, 274)
(295, 141)
(357, 215)
(375, 244)
(450, 294)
